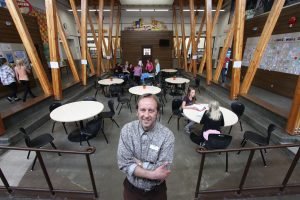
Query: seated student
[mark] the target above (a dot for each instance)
(137, 73)
(118, 70)
(149, 67)
(157, 66)
(212, 120)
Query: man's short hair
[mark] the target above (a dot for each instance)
(148, 95)
(2, 61)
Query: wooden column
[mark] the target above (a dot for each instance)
(293, 124)
(240, 6)
(261, 45)
(29, 46)
(77, 20)
(192, 38)
(117, 35)
(227, 44)
(2, 127)
(200, 28)
(208, 48)
(67, 49)
(183, 36)
(111, 18)
(83, 37)
(100, 35)
(216, 17)
(177, 48)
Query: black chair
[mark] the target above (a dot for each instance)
(37, 142)
(180, 89)
(148, 81)
(258, 139)
(238, 108)
(91, 130)
(110, 114)
(123, 100)
(218, 141)
(114, 90)
(197, 83)
(51, 108)
(98, 87)
(176, 104)
(89, 99)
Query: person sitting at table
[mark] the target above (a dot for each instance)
(149, 66)
(125, 67)
(187, 103)
(118, 70)
(137, 72)
(157, 66)
(130, 70)
(212, 121)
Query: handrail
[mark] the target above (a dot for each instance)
(87, 152)
(252, 150)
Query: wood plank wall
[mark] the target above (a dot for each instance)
(132, 42)
(9, 34)
(276, 82)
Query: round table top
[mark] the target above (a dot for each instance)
(140, 90)
(230, 118)
(169, 70)
(177, 80)
(109, 81)
(76, 111)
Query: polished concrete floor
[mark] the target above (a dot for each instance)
(71, 172)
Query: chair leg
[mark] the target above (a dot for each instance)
(243, 143)
(54, 147)
(28, 155)
(263, 158)
(53, 127)
(104, 136)
(170, 118)
(178, 118)
(115, 122)
(34, 161)
(120, 109)
(241, 126)
(64, 125)
(129, 106)
(226, 170)
(117, 106)
(96, 92)
(87, 141)
(230, 130)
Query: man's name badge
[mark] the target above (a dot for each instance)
(156, 148)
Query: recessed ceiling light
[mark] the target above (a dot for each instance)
(147, 10)
(133, 10)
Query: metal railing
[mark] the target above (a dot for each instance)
(279, 188)
(51, 189)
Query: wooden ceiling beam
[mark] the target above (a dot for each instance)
(208, 48)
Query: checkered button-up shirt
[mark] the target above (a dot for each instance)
(7, 75)
(153, 148)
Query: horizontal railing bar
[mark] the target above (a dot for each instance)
(16, 188)
(249, 148)
(89, 150)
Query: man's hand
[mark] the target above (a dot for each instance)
(161, 173)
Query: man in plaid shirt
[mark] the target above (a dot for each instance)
(7, 78)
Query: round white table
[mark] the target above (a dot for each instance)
(109, 81)
(177, 80)
(230, 118)
(140, 90)
(76, 111)
(169, 70)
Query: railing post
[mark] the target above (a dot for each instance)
(5, 181)
(290, 171)
(200, 174)
(246, 170)
(88, 160)
(38, 153)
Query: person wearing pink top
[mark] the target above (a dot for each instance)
(137, 72)
(149, 66)
(22, 72)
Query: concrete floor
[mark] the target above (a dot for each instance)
(71, 172)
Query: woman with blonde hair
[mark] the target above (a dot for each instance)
(22, 77)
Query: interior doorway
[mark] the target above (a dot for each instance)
(146, 53)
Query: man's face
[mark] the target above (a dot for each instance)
(147, 113)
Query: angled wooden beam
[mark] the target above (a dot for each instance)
(261, 45)
(192, 37)
(83, 37)
(28, 44)
(240, 6)
(67, 49)
(215, 20)
(227, 44)
(100, 36)
(293, 124)
(2, 127)
(78, 23)
(194, 22)
(203, 19)
(117, 35)
(111, 19)
(95, 39)
(183, 35)
(177, 48)
(208, 49)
